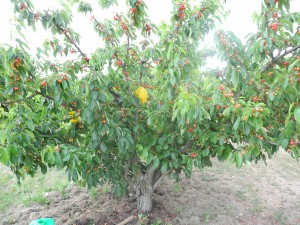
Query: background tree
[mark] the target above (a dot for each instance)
(140, 107)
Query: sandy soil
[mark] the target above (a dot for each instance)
(253, 195)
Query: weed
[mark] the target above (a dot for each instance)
(280, 217)
(206, 217)
(94, 193)
(241, 194)
(209, 178)
(11, 221)
(179, 210)
(177, 187)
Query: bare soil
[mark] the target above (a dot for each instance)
(254, 195)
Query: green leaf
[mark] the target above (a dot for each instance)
(50, 158)
(285, 143)
(13, 153)
(247, 129)
(170, 49)
(2, 137)
(164, 167)
(172, 79)
(105, 4)
(222, 140)
(226, 111)
(156, 163)
(10, 90)
(236, 124)
(238, 160)
(43, 168)
(297, 115)
(4, 156)
(271, 96)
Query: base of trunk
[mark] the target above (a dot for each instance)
(144, 204)
(144, 192)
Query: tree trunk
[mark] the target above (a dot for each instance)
(144, 193)
(146, 183)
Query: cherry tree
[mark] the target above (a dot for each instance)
(142, 106)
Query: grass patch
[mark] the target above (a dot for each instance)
(280, 217)
(32, 190)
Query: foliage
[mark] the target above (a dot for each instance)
(89, 115)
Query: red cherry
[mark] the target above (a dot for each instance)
(133, 10)
(22, 7)
(181, 15)
(124, 26)
(181, 7)
(191, 130)
(148, 28)
(119, 63)
(16, 88)
(275, 15)
(221, 87)
(199, 15)
(193, 155)
(265, 43)
(274, 26)
(65, 78)
(44, 83)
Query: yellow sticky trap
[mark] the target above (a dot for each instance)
(142, 94)
(71, 114)
(73, 121)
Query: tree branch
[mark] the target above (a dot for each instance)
(18, 100)
(116, 97)
(275, 59)
(71, 40)
(184, 149)
(4, 107)
(158, 176)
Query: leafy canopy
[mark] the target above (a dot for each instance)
(142, 99)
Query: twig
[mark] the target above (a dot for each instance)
(170, 36)
(129, 219)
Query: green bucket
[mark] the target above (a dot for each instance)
(43, 221)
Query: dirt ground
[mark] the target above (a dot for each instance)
(254, 195)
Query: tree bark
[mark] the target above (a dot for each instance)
(144, 197)
(144, 191)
